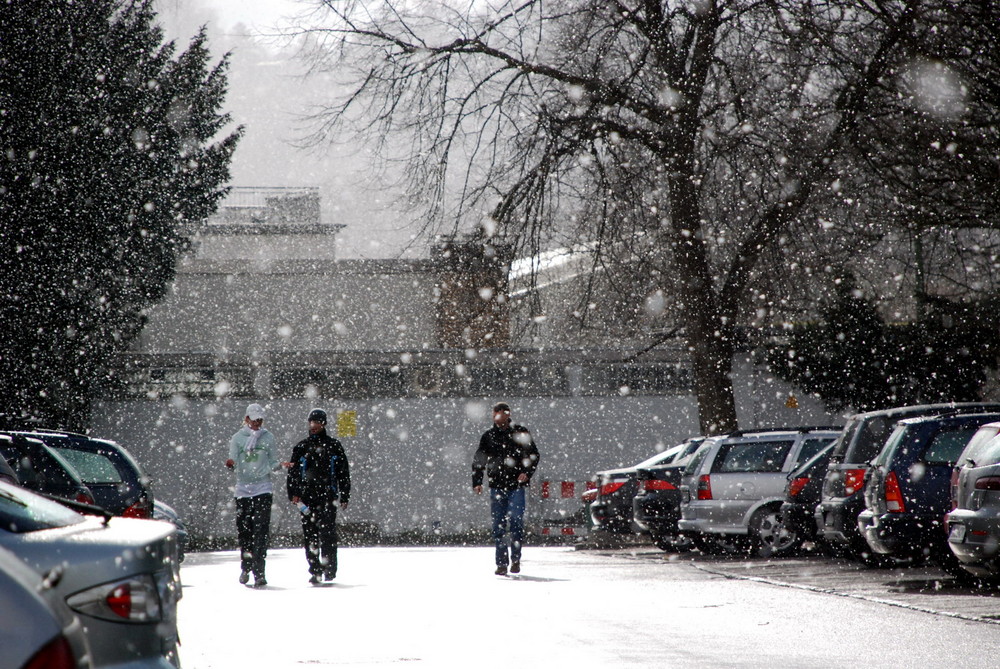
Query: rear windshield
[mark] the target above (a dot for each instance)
(22, 511)
(980, 444)
(989, 454)
(870, 438)
(811, 447)
(753, 456)
(947, 445)
(92, 467)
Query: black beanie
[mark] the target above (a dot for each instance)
(317, 415)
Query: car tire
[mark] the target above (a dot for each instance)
(770, 537)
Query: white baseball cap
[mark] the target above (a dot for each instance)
(255, 412)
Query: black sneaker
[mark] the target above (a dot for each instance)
(259, 582)
(515, 567)
(244, 576)
(329, 576)
(314, 579)
(501, 570)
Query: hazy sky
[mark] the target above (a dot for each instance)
(270, 98)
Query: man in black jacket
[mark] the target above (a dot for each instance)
(319, 480)
(509, 457)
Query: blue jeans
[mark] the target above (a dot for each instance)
(507, 506)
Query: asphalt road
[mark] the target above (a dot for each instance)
(922, 588)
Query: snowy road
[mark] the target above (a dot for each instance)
(443, 607)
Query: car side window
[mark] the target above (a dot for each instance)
(947, 445)
(695, 463)
(753, 456)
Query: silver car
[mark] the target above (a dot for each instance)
(733, 487)
(974, 523)
(120, 576)
(37, 629)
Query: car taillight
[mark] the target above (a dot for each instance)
(134, 600)
(84, 498)
(56, 654)
(893, 495)
(589, 496)
(656, 484)
(138, 510)
(854, 480)
(796, 486)
(704, 487)
(988, 483)
(609, 488)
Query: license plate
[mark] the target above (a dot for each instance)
(957, 533)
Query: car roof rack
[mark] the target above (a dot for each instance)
(804, 428)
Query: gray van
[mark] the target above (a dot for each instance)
(734, 485)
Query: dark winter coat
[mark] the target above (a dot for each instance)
(319, 474)
(504, 454)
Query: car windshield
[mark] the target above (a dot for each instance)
(23, 511)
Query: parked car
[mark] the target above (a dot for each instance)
(115, 478)
(908, 488)
(656, 506)
(119, 575)
(43, 470)
(611, 509)
(165, 512)
(802, 493)
(733, 487)
(974, 522)
(843, 489)
(37, 629)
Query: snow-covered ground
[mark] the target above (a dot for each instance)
(443, 607)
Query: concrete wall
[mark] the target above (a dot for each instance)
(410, 459)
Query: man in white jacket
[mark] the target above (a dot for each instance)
(252, 454)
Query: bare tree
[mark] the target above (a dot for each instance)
(699, 135)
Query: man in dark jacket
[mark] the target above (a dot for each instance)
(319, 480)
(509, 457)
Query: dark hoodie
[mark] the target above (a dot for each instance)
(505, 453)
(319, 473)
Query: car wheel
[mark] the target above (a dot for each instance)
(770, 537)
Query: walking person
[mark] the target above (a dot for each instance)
(252, 454)
(508, 455)
(319, 481)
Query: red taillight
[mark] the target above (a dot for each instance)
(56, 654)
(589, 496)
(797, 484)
(704, 487)
(609, 488)
(988, 483)
(854, 480)
(138, 510)
(84, 498)
(120, 600)
(656, 484)
(893, 495)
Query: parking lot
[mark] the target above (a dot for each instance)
(921, 588)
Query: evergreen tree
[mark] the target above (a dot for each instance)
(852, 359)
(108, 148)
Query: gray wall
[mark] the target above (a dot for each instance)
(410, 458)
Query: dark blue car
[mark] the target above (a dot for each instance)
(908, 488)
